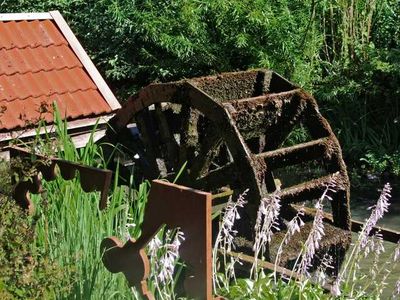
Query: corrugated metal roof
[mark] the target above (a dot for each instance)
(37, 68)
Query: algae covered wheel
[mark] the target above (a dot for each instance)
(231, 130)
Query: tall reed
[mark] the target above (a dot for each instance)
(70, 226)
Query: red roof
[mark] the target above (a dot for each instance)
(41, 62)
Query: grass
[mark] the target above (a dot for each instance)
(70, 226)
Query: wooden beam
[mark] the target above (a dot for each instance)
(388, 235)
(81, 139)
(294, 155)
(24, 16)
(312, 189)
(247, 262)
(26, 133)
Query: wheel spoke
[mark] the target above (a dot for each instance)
(218, 178)
(167, 138)
(146, 129)
(189, 137)
(208, 151)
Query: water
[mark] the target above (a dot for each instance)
(365, 192)
(364, 196)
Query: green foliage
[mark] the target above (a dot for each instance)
(346, 52)
(361, 63)
(70, 226)
(361, 105)
(26, 272)
(136, 42)
(383, 163)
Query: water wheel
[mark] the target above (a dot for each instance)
(231, 130)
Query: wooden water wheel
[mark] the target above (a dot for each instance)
(230, 130)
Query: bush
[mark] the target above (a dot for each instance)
(26, 271)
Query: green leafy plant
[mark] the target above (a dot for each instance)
(26, 272)
(383, 163)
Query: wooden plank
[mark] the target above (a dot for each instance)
(247, 262)
(308, 190)
(26, 133)
(85, 60)
(388, 234)
(24, 16)
(81, 139)
(296, 154)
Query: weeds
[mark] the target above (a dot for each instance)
(27, 271)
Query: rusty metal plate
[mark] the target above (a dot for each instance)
(175, 207)
(91, 179)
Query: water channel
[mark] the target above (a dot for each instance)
(365, 195)
(365, 191)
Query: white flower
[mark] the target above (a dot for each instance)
(225, 238)
(294, 225)
(378, 210)
(170, 258)
(335, 289)
(317, 231)
(154, 245)
(231, 214)
(312, 243)
(397, 289)
(267, 219)
(267, 215)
